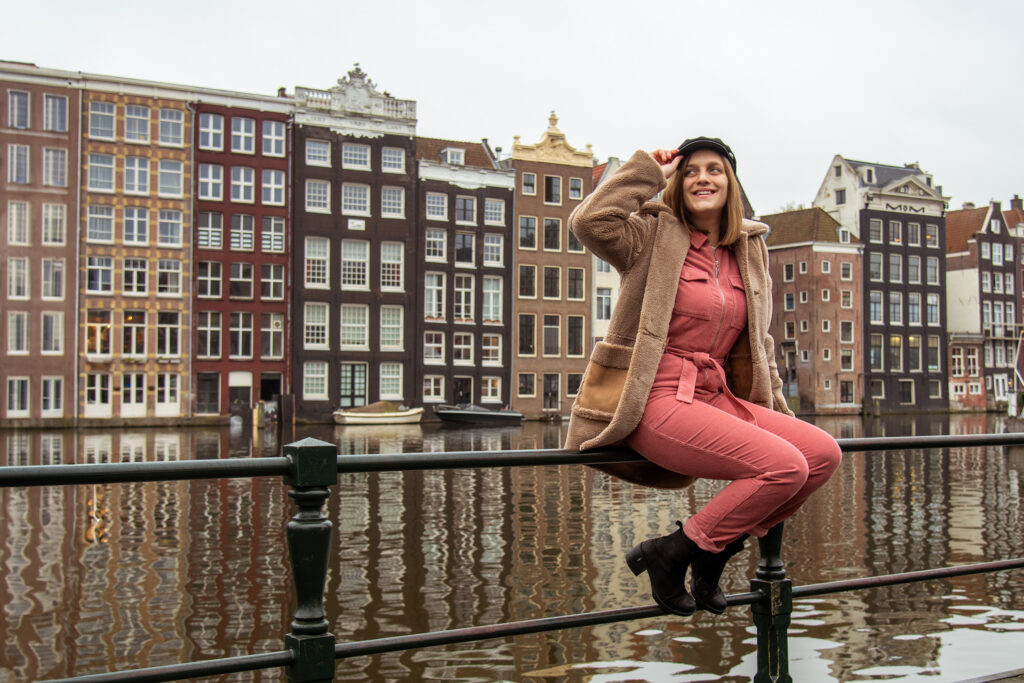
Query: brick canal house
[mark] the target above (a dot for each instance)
(135, 284)
(39, 133)
(242, 349)
(551, 308)
(357, 284)
(982, 306)
(465, 241)
(817, 321)
(898, 215)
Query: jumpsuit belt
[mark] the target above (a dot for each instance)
(694, 362)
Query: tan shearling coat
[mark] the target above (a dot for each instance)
(647, 244)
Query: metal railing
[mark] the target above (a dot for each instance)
(310, 467)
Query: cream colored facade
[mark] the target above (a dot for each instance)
(552, 314)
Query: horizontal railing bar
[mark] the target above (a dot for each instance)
(474, 633)
(177, 672)
(122, 472)
(111, 473)
(885, 443)
(906, 577)
(392, 462)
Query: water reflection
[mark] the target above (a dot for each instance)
(103, 577)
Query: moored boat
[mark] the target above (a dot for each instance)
(379, 413)
(470, 414)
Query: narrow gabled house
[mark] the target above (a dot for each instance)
(551, 307)
(817, 323)
(241, 250)
(898, 215)
(982, 306)
(464, 243)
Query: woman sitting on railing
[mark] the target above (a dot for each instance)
(686, 375)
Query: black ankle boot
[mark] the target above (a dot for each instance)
(707, 571)
(665, 560)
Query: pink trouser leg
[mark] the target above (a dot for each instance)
(774, 465)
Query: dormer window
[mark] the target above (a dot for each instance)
(869, 175)
(454, 156)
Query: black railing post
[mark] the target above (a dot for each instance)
(314, 467)
(772, 612)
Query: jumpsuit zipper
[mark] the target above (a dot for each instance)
(721, 295)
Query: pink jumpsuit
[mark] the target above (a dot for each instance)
(694, 425)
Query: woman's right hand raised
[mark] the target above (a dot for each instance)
(668, 159)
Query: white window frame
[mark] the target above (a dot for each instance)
(355, 199)
(494, 211)
(171, 128)
(273, 138)
(171, 178)
(243, 135)
(392, 328)
(318, 152)
(355, 265)
(272, 187)
(355, 327)
(100, 114)
(436, 206)
(356, 156)
(388, 157)
(55, 113)
(316, 325)
(318, 196)
(392, 201)
(392, 266)
(317, 263)
(136, 124)
(314, 380)
(211, 182)
(211, 131)
(243, 184)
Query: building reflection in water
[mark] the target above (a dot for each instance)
(124, 576)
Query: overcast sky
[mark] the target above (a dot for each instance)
(786, 84)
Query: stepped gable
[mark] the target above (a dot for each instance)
(802, 225)
(961, 225)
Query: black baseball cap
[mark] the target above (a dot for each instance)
(714, 144)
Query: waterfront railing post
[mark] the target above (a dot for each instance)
(313, 469)
(772, 612)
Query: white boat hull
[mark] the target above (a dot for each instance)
(347, 417)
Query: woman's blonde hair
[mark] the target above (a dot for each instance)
(732, 212)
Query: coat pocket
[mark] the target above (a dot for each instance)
(604, 379)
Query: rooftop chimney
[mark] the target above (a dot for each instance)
(1017, 203)
(968, 205)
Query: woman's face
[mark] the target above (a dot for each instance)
(705, 183)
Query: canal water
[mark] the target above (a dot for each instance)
(104, 577)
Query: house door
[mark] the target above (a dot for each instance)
(551, 386)
(999, 386)
(462, 390)
(353, 385)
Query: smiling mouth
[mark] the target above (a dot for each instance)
(704, 193)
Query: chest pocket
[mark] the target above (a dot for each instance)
(694, 294)
(738, 319)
